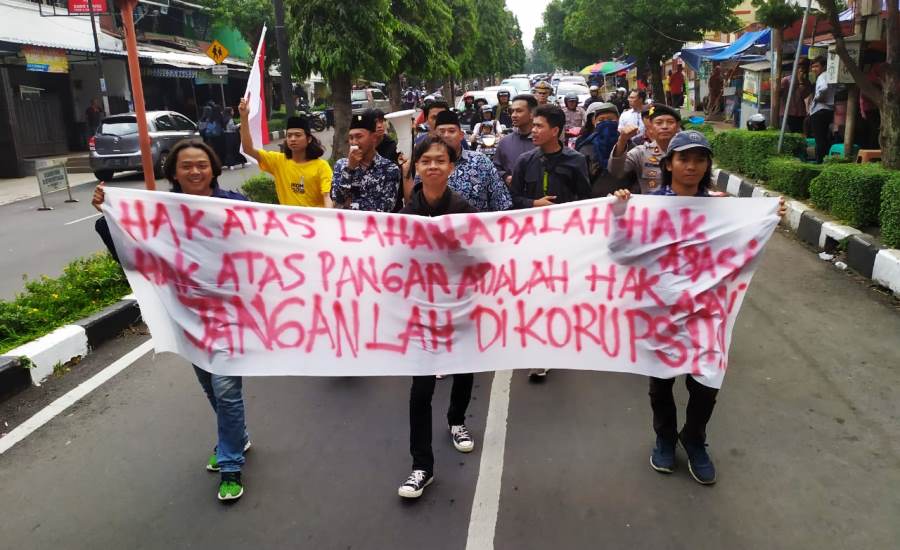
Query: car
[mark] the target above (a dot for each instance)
(565, 87)
(522, 85)
(116, 148)
(369, 98)
(576, 78)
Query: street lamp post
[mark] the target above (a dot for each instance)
(284, 58)
(134, 70)
(104, 96)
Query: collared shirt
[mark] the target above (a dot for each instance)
(372, 188)
(823, 98)
(574, 117)
(643, 161)
(509, 149)
(475, 179)
(632, 117)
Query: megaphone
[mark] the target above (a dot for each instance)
(402, 121)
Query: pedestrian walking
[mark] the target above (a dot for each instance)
(687, 172)
(511, 147)
(302, 177)
(632, 115)
(676, 86)
(193, 168)
(821, 111)
(598, 136)
(435, 160)
(796, 111)
(643, 161)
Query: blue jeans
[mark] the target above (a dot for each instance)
(224, 394)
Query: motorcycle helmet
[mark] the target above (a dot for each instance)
(571, 96)
(503, 93)
(756, 122)
(487, 109)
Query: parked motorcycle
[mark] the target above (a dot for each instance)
(317, 120)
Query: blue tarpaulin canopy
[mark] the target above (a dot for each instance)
(742, 44)
(694, 57)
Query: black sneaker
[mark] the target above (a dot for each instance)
(699, 464)
(662, 459)
(415, 484)
(461, 439)
(537, 375)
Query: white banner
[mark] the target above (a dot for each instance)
(652, 286)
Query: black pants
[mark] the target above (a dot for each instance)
(700, 406)
(420, 415)
(820, 121)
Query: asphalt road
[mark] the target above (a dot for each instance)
(805, 436)
(35, 243)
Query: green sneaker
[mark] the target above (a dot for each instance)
(212, 465)
(230, 487)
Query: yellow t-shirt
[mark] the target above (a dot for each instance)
(297, 183)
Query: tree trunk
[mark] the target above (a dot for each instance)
(775, 81)
(659, 96)
(448, 91)
(341, 84)
(890, 120)
(395, 91)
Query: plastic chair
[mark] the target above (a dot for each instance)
(868, 155)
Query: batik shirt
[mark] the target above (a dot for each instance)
(373, 188)
(475, 179)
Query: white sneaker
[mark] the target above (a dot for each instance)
(537, 375)
(415, 484)
(461, 439)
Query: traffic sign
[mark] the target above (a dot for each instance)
(217, 52)
(220, 70)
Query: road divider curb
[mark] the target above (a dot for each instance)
(865, 255)
(33, 362)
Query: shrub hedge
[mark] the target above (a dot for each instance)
(890, 211)
(791, 176)
(86, 286)
(260, 188)
(748, 152)
(706, 129)
(851, 192)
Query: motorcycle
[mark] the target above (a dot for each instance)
(572, 136)
(317, 119)
(487, 145)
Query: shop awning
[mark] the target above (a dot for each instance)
(742, 44)
(22, 23)
(184, 60)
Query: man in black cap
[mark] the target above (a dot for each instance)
(643, 161)
(365, 180)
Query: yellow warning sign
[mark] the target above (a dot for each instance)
(217, 52)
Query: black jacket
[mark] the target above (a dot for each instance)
(567, 177)
(388, 148)
(450, 203)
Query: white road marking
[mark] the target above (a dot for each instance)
(84, 218)
(73, 396)
(486, 504)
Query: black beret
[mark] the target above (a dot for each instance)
(447, 117)
(658, 109)
(365, 121)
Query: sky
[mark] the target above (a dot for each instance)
(530, 14)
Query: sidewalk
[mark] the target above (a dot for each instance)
(17, 189)
(718, 125)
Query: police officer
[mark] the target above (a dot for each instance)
(644, 160)
(542, 91)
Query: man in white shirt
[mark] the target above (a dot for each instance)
(632, 115)
(821, 110)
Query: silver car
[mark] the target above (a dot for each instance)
(369, 98)
(115, 147)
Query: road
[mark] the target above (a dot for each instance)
(805, 436)
(35, 243)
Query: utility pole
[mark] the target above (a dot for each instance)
(103, 93)
(287, 94)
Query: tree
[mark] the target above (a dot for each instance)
(538, 59)
(422, 33)
(650, 30)
(343, 43)
(777, 15)
(888, 97)
(498, 42)
(551, 37)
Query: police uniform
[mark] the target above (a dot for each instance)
(643, 161)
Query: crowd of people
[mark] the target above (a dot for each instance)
(640, 150)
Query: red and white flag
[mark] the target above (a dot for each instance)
(256, 97)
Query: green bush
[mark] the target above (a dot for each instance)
(260, 188)
(748, 152)
(791, 176)
(890, 211)
(851, 192)
(706, 129)
(86, 286)
(277, 124)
